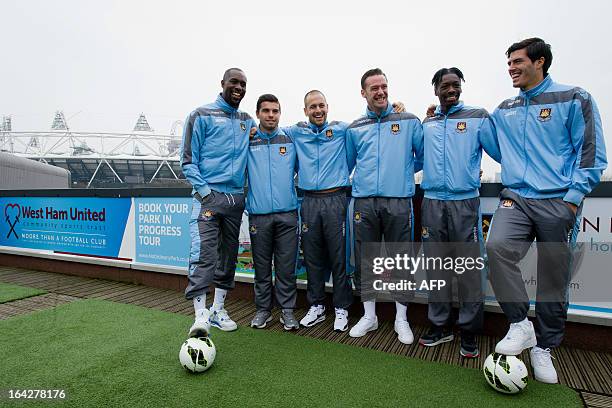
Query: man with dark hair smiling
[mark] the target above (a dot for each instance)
(450, 214)
(273, 221)
(385, 149)
(553, 154)
(213, 159)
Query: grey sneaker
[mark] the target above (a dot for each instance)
(261, 319)
(288, 320)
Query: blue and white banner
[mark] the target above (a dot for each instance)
(155, 231)
(84, 226)
(162, 230)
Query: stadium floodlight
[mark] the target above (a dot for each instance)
(59, 121)
(142, 125)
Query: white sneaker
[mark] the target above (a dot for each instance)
(316, 314)
(520, 336)
(404, 333)
(363, 326)
(201, 326)
(221, 320)
(543, 368)
(341, 321)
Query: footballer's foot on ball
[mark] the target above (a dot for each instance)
(543, 368)
(201, 326)
(436, 335)
(316, 314)
(363, 326)
(288, 320)
(261, 319)
(469, 346)
(341, 320)
(520, 336)
(221, 320)
(404, 333)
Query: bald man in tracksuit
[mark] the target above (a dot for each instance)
(450, 214)
(324, 178)
(384, 149)
(273, 221)
(553, 154)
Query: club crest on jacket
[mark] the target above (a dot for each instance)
(545, 114)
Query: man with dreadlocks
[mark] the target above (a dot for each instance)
(454, 138)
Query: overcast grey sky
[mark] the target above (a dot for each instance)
(104, 62)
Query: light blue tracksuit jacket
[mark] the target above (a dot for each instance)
(453, 151)
(322, 155)
(551, 141)
(385, 152)
(272, 163)
(214, 148)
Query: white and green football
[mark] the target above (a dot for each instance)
(505, 374)
(197, 354)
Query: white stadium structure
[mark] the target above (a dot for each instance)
(101, 159)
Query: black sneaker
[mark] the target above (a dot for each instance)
(469, 347)
(436, 335)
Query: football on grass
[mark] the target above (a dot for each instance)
(197, 354)
(506, 374)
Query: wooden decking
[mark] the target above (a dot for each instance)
(586, 371)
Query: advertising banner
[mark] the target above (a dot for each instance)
(75, 225)
(155, 231)
(162, 230)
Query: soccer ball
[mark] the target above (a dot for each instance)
(506, 374)
(197, 354)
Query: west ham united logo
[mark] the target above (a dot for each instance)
(242, 126)
(461, 127)
(282, 150)
(329, 133)
(395, 128)
(11, 216)
(545, 114)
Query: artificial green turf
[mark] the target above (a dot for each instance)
(109, 354)
(10, 292)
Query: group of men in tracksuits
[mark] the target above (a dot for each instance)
(548, 140)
